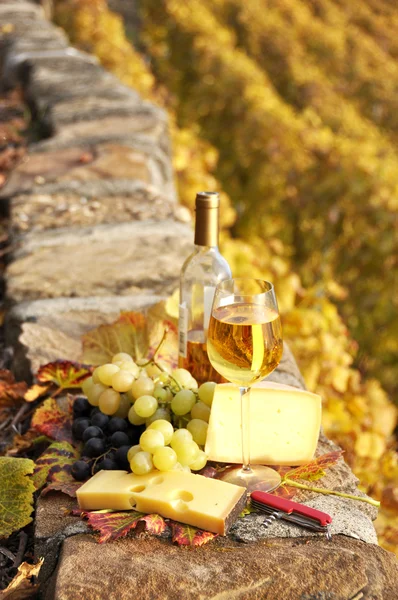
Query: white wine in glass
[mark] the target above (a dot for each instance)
(245, 345)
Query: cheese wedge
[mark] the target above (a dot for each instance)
(206, 503)
(284, 425)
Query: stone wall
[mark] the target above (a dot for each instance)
(96, 229)
(94, 216)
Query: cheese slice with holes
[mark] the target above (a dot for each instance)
(206, 503)
(284, 425)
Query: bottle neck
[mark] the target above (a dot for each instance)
(206, 227)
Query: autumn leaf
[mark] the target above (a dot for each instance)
(21, 588)
(10, 391)
(312, 471)
(128, 335)
(26, 441)
(64, 373)
(316, 468)
(285, 491)
(114, 525)
(68, 486)
(54, 465)
(49, 419)
(158, 322)
(16, 494)
(185, 535)
(137, 334)
(36, 391)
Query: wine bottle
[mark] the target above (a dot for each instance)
(200, 274)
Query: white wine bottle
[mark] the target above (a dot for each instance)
(200, 274)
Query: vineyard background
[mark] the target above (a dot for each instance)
(290, 109)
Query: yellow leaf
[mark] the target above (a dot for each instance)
(21, 587)
(370, 445)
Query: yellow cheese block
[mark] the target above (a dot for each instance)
(206, 503)
(284, 425)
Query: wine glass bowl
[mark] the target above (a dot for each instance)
(244, 345)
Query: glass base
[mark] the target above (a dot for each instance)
(259, 478)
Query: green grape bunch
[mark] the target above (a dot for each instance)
(168, 403)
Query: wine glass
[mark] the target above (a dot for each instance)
(244, 344)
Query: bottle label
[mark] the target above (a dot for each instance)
(208, 297)
(182, 330)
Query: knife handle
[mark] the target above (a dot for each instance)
(289, 507)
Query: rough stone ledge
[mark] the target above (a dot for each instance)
(101, 166)
(87, 189)
(69, 237)
(279, 569)
(39, 212)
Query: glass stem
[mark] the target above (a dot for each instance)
(245, 413)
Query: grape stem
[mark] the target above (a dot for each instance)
(287, 481)
(98, 458)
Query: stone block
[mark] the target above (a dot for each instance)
(287, 569)
(141, 257)
(53, 525)
(46, 86)
(145, 123)
(41, 211)
(90, 108)
(60, 58)
(71, 167)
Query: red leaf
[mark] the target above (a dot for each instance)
(114, 525)
(64, 373)
(54, 464)
(154, 524)
(49, 419)
(315, 469)
(185, 535)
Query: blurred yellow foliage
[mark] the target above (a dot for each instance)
(290, 109)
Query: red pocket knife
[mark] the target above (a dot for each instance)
(280, 508)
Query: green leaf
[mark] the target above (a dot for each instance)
(114, 525)
(16, 494)
(54, 465)
(186, 535)
(64, 373)
(50, 420)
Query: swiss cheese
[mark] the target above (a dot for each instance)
(206, 503)
(284, 425)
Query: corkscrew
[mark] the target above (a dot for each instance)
(299, 514)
